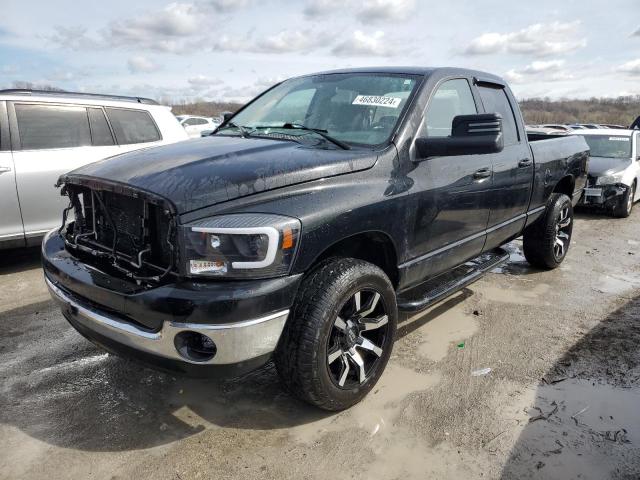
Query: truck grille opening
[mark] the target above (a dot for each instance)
(129, 234)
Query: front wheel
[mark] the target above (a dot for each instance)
(546, 242)
(339, 336)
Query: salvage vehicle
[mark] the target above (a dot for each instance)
(306, 221)
(44, 134)
(195, 126)
(614, 170)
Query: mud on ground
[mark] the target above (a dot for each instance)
(561, 399)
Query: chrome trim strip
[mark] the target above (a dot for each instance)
(235, 342)
(470, 238)
(504, 224)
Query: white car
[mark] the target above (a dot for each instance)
(194, 126)
(45, 134)
(614, 169)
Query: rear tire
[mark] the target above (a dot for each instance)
(339, 335)
(624, 207)
(546, 242)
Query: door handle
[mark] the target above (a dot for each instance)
(482, 173)
(5, 169)
(525, 162)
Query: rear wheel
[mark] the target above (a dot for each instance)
(624, 207)
(339, 336)
(546, 242)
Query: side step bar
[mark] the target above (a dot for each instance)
(445, 284)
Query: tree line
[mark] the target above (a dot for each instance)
(619, 111)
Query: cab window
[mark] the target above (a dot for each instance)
(452, 98)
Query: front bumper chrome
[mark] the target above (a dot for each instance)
(236, 342)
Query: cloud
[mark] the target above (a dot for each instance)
(631, 67)
(285, 41)
(361, 44)
(636, 33)
(290, 41)
(319, 8)
(165, 30)
(539, 71)
(72, 38)
(224, 6)
(383, 10)
(140, 64)
(202, 81)
(538, 40)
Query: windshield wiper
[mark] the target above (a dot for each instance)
(244, 133)
(323, 133)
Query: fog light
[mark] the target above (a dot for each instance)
(195, 346)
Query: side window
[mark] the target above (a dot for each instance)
(100, 131)
(132, 126)
(452, 98)
(52, 126)
(191, 121)
(201, 121)
(495, 101)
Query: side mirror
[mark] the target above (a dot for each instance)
(470, 135)
(226, 116)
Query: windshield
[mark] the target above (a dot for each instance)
(610, 146)
(355, 109)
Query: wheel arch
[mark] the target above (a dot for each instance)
(372, 246)
(566, 185)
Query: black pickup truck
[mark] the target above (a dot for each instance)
(299, 228)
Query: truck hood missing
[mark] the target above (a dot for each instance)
(203, 172)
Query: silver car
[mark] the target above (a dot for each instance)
(45, 134)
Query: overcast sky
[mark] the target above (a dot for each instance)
(233, 49)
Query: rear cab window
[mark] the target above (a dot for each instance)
(132, 126)
(495, 100)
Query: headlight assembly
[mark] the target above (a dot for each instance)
(240, 246)
(610, 179)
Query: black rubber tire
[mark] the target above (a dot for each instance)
(624, 207)
(301, 354)
(539, 238)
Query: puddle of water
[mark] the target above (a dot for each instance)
(516, 263)
(589, 430)
(452, 326)
(377, 412)
(496, 293)
(616, 284)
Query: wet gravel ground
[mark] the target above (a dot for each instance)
(562, 399)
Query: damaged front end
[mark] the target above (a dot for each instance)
(116, 228)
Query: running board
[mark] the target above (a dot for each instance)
(445, 284)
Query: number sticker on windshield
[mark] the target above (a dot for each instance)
(619, 139)
(377, 101)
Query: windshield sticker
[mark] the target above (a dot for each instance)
(377, 101)
(619, 139)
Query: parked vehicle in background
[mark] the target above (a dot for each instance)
(542, 130)
(45, 134)
(564, 128)
(194, 126)
(300, 227)
(614, 170)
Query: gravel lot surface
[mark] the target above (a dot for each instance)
(561, 400)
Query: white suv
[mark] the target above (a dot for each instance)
(45, 134)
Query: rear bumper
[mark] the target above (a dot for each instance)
(242, 342)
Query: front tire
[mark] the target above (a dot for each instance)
(546, 242)
(340, 334)
(624, 207)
